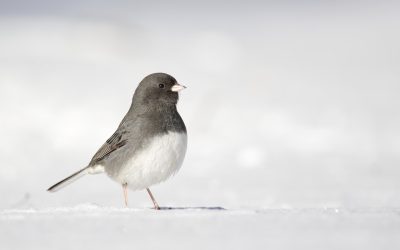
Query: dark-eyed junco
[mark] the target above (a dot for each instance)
(150, 143)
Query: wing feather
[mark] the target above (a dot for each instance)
(115, 142)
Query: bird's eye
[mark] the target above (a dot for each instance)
(161, 86)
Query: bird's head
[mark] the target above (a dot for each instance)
(158, 88)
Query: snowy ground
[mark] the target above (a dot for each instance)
(290, 105)
(94, 227)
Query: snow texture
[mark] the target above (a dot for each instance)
(90, 226)
(291, 107)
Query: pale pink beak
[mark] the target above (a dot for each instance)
(177, 87)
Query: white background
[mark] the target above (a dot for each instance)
(289, 105)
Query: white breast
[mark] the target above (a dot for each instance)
(162, 158)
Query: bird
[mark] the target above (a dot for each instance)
(150, 143)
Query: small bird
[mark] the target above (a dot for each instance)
(149, 144)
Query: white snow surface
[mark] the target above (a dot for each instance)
(292, 112)
(90, 226)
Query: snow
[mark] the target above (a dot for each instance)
(89, 226)
(292, 111)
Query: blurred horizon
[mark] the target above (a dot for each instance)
(289, 103)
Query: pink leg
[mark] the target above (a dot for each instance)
(125, 187)
(156, 206)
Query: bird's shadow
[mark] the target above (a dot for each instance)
(193, 208)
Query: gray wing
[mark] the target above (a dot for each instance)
(115, 142)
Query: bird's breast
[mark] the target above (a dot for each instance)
(161, 157)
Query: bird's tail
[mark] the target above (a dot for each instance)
(69, 180)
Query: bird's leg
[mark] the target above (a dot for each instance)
(156, 206)
(125, 187)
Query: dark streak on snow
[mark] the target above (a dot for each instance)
(192, 208)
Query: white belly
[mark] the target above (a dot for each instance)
(162, 158)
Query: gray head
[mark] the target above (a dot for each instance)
(158, 88)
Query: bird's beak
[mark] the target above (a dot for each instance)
(177, 87)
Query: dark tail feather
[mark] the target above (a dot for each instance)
(68, 180)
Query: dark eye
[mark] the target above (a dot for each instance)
(161, 86)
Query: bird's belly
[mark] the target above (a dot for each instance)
(161, 158)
